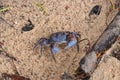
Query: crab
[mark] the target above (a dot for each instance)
(70, 38)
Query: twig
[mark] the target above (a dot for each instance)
(14, 67)
(4, 9)
(113, 5)
(42, 8)
(3, 52)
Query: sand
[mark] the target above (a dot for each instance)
(63, 15)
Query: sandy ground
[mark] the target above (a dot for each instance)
(65, 15)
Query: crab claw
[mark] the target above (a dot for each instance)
(55, 48)
(71, 44)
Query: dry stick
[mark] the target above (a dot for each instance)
(42, 8)
(4, 9)
(1, 19)
(9, 25)
(3, 52)
(14, 67)
(113, 5)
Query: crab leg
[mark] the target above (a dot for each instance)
(54, 50)
(71, 44)
(53, 56)
(43, 42)
(37, 43)
(78, 48)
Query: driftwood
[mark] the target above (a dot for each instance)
(6, 76)
(90, 61)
